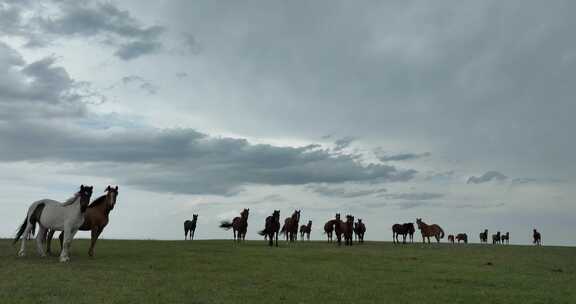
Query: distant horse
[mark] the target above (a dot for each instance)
(537, 237)
(484, 236)
(359, 230)
(305, 230)
(50, 214)
(239, 225)
(430, 230)
(290, 228)
(95, 219)
(451, 238)
(190, 226)
(403, 229)
(505, 238)
(329, 227)
(345, 229)
(272, 228)
(496, 238)
(462, 237)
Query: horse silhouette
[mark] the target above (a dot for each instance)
(430, 230)
(272, 228)
(239, 225)
(190, 227)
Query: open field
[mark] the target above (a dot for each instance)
(221, 272)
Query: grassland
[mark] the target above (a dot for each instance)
(221, 272)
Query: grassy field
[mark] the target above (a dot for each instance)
(221, 272)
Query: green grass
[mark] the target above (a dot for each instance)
(316, 272)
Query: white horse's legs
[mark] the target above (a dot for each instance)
(40, 240)
(68, 236)
(29, 227)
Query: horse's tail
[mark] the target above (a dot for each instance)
(262, 232)
(442, 232)
(226, 225)
(283, 230)
(32, 217)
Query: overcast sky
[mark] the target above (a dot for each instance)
(459, 112)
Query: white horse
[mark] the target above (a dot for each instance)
(65, 216)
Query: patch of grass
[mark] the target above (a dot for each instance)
(314, 272)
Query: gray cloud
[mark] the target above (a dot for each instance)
(401, 156)
(487, 177)
(136, 49)
(343, 143)
(142, 83)
(343, 192)
(414, 196)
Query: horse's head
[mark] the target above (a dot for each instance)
(360, 221)
(297, 213)
(419, 222)
(338, 216)
(194, 217)
(349, 218)
(309, 223)
(111, 195)
(85, 193)
(276, 214)
(245, 213)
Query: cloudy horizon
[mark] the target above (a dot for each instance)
(459, 113)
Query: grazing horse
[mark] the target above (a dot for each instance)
(462, 237)
(272, 228)
(345, 229)
(360, 230)
(50, 214)
(305, 230)
(403, 229)
(484, 237)
(430, 230)
(537, 237)
(290, 228)
(190, 226)
(451, 238)
(505, 238)
(329, 227)
(496, 238)
(95, 219)
(239, 225)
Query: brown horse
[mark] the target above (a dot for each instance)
(95, 219)
(537, 238)
(430, 230)
(484, 237)
(290, 228)
(451, 238)
(305, 230)
(272, 227)
(496, 238)
(239, 225)
(359, 230)
(403, 229)
(190, 226)
(345, 229)
(462, 237)
(329, 227)
(505, 238)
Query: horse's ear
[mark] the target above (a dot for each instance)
(107, 188)
(116, 187)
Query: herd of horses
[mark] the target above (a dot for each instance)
(78, 213)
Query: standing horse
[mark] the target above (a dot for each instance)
(430, 230)
(272, 227)
(360, 230)
(484, 237)
(305, 230)
(505, 238)
(239, 224)
(329, 227)
(190, 226)
(462, 237)
(345, 229)
(451, 238)
(496, 238)
(403, 229)
(50, 214)
(290, 228)
(537, 238)
(95, 219)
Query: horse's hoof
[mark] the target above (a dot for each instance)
(21, 254)
(64, 259)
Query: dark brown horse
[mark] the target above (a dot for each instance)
(484, 237)
(505, 238)
(359, 230)
(329, 227)
(451, 238)
(239, 225)
(496, 238)
(305, 230)
(290, 228)
(190, 226)
(404, 230)
(537, 237)
(462, 237)
(345, 229)
(430, 230)
(95, 219)
(272, 228)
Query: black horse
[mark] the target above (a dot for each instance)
(404, 230)
(190, 226)
(359, 230)
(272, 228)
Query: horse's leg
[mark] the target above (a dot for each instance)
(68, 235)
(27, 230)
(49, 237)
(61, 239)
(95, 234)
(40, 237)
(192, 234)
(234, 231)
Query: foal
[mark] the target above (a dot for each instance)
(190, 226)
(305, 230)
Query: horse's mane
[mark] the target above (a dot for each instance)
(71, 200)
(98, 201)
